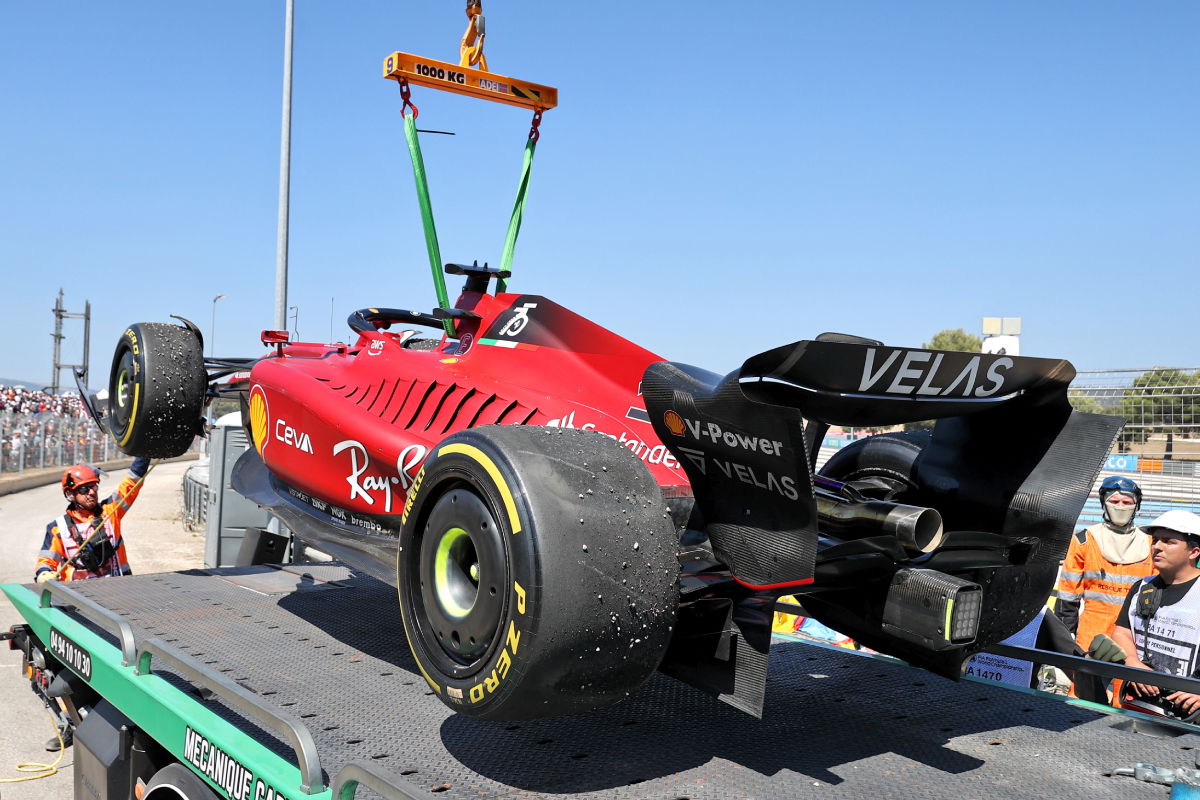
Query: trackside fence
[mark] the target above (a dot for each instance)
(1160, 444)
(37, 441)
(195, 497)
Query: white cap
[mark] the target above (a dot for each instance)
(1177, 520)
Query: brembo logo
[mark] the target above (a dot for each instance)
(918, 372)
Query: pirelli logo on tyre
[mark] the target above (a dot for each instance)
(412, 495)
(512, 643)
(133, 341)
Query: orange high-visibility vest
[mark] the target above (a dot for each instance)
(1097, 585)
(65, 534)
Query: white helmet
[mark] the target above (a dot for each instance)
(1179, 521)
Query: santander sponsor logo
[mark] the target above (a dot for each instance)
(650, 453)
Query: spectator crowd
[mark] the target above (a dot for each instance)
(39, 429)
(19, 400)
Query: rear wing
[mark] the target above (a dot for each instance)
(861, 384)
(1007, 455)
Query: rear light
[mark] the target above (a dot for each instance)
(932, 609)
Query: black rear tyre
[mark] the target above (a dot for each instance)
(156, 390)
(537, 572)
(881, 466)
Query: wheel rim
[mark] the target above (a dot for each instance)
(122, 392)
(461, 573)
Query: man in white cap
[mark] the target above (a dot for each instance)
(1159, 624)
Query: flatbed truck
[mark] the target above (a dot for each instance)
(292, 681)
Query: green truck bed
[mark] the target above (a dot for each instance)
(307, 685)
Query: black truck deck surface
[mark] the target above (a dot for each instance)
(325, 644)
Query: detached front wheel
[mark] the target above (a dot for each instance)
(537, 572)
(156, 390)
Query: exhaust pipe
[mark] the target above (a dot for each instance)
(918, 529)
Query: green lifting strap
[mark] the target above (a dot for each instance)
(514, 222)
(431, 238)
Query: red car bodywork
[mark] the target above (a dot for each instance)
(353, 424)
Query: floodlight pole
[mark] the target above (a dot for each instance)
(285, 163)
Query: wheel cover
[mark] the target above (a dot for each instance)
(462, 568)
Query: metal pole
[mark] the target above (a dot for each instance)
(285, 163)
(58, 337)
(87, 343)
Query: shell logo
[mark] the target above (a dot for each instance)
(259, 414)
(674, 422)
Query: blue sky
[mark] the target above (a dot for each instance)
(720, 178)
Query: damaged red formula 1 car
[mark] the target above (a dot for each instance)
(564, 512)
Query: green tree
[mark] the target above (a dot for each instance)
(222, 406)
(1085, 403)
(1160, 401)
(955, 339)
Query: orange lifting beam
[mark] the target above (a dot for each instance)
(472, 82)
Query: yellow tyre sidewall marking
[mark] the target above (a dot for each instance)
(132, 415)
(411, 646)
(512, 636)
(131, 337)
(489, 466)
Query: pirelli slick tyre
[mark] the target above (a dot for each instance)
(537, 572)
(156, 390)
(883, 466)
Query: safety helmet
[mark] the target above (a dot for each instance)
(1185, 523)
(1114, 483)
(79, 475)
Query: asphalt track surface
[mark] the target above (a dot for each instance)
(156, 541)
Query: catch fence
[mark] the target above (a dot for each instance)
(1160, 444)
(37, 441)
